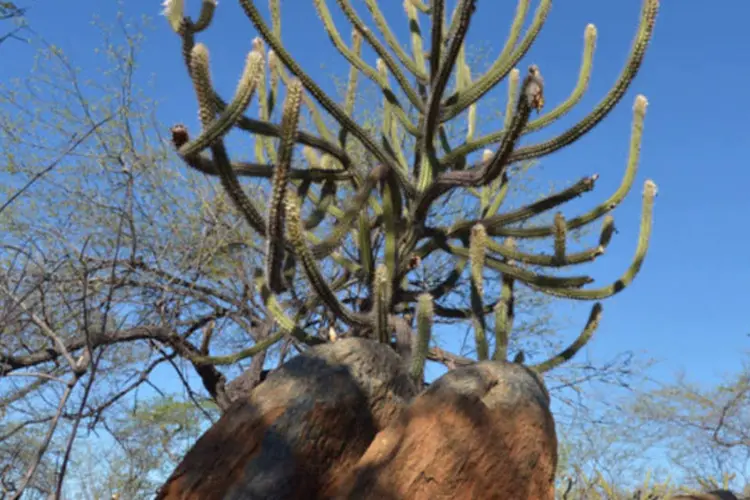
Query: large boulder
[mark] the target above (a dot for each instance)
(479, 432)
(300, 432)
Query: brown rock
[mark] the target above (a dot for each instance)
(300, 431)
(711, 495)
(480, 432)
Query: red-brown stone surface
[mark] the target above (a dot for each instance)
(481, 432)
(300, 432)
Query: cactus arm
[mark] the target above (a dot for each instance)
(381, 304)
(275, 9)
(422, 7)
(351, 85)
(393, 43)
(639, 113)
(263, 145)
(561, 236)
(489, 170)
(295, 233)
(208, 7)
(391, 212)
(417, 46)
(258, 126)
(548, 260)
(484, 195)
(174, 11)
(364, 236)
(276, 214)
(649, 193)
(421, 342)
(346, 222)
(441, 71)
(504, 317)
(317, 118)
(582, 83)
(356, 61)
(436, 41)
(455, 104)
(477, 253)
(584, 76)
(522, 10)
(499, 185)
(272, 130)
(230, 359)
(323, 205)
(650, 9)
(202, 84)
(389, 130)
(591, 325)
(527, 277)
(205, 165)
(285, 323)
(463, 80)
(339, 259)
(513, 79)
(608, 228)
(226, 120)
(381, 51)
(252, 13)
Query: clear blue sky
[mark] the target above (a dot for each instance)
(686, 306)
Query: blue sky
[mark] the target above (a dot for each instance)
(687, 306)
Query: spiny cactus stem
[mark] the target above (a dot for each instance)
(295, 233)
(488, 171)
(382, 53)
(584, 75)
(442, 70)
(438, 11)
(456, 103)
(276, 212)
(527, 277)
(421, 342)
(639, 112)
(645, 30)
(208, 7)
(608, 229)
(561, 234)
(258, 126)
(537, 208)
(219, 127)
(584, 337)
(254, 15)
(649, 193)
(382, 305)
(393, 43)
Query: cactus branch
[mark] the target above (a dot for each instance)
(421, 345)
(591, 325)
(648, 16)
(252, 13)
(276, 214)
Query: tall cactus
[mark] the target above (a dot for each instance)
(353, 228)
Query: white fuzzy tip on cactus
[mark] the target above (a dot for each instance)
(174, 11)
(641, 103)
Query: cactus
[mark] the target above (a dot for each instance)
(359, 227)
